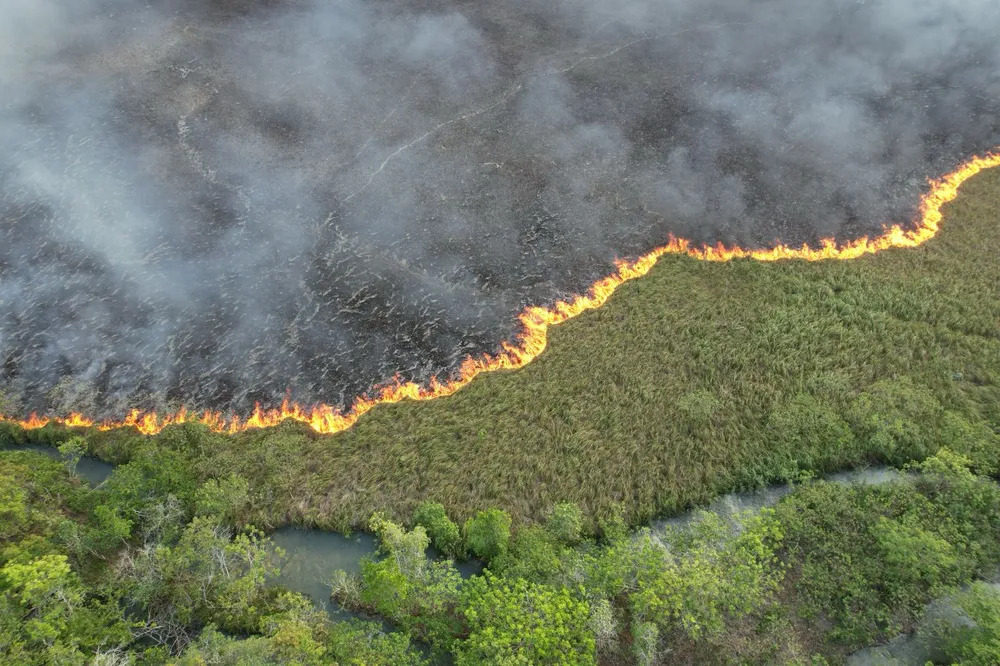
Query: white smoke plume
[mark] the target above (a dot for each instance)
(213, 202)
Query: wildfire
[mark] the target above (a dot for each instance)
(535, 322)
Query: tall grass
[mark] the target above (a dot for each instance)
(696, 379)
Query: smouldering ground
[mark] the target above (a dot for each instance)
(697, 378)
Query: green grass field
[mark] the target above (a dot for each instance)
(698, 378)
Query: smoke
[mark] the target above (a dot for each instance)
(213, 202)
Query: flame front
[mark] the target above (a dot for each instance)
(535, 322)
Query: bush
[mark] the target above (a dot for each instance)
(809, 435)
(71, 450)
(519, 622)
(227, 498)
(978, 641)
(898, 419)
(566, 523)
(444, 533)
(710, 573)
(488, 533)
(645, 637)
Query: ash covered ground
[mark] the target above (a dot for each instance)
(213, 202)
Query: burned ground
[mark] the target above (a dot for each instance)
(213, 203)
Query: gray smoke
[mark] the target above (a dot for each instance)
(213, 202)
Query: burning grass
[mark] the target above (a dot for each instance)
(698, 378)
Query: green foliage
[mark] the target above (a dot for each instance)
(534, 554)
(566, 523)
(977, 440)
(978, 641)
(603, 625)
(809, 435)
(915, 556)
(207, 576)
(408, 549)
(227, 498)
(862, 559)
(898, 419)
(142, 560)
(519, 622)
(45, 615)
(444, 533)
(385, 587)
(488, 533)
(13, 508)
(214, 647)
(365, 644)
(869, 558)
(148, 479)
(36, 494)
(612, 526)
(108, 531)
(404, 586)
(48, 591)
(645, 638)
(296, 631)
(72, 450)
(708, 572)
(297, 635)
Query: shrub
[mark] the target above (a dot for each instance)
(226, 498)
(566, 523)
(978, 641)
(520, 622)
(645, 637)
(71, 450)
(444, 533)
(488, 533)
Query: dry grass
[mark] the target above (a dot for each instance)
(696, 379)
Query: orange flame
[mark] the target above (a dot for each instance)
(535, 322)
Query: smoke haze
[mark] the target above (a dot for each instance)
(213, 202)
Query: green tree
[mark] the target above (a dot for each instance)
(712, 571)
(978, 641)
(209, 575)
(520, 622)
(297, 631)
(364, 643)
(228, 498)
(107, 531)
(444, 533)
(916, 557)
(645, 641)
(71, 451)
(488, 533)
(385, 588)
(407, 548)
(48, 592)
(406, 587)
(566, 523)
(533, 553)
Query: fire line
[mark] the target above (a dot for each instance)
(536, 320)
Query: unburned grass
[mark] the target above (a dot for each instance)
(699, 378)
